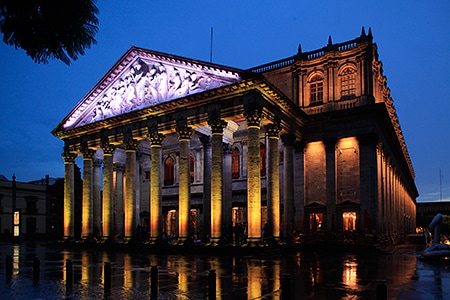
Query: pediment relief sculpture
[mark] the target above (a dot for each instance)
(147, 82)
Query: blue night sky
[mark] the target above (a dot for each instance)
(413, 39)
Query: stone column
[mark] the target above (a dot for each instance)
(273, 181)
(330, 165)
(96, 198)
(87, 204)
(108, 194)
(207, 170)
(184, 194)
(69, 194)
(288, 185)
(156, 140)
(253, 177)
(119, 199)
(130, 193)
(227, 185)
(217, 127)
(368, 161)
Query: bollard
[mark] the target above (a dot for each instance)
(9, 265)
(286, 287)
(212, 284)
(69, 273)
(36, 268)
(154, 282)
(107, 276)
(381, 289)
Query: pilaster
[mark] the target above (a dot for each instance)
(288, 185)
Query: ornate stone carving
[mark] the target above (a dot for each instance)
(118, 167)
(108, 149)
(273, 129)
(217, 125)
(69, 157)
(184, 132)
(206, 140)
(130, 144)
(98, 163)
(88, 153)
(156, 138)
(148, 82)
(227, 148)
(253, 118)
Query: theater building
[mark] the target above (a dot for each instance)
(309, 142)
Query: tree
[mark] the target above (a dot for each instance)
(49, 29)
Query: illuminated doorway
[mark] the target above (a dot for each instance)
(349, 221)
(237, 215)
(315, 221)
(171, 222)
(193, 221)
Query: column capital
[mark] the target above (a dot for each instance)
(273, 130)
(108, 149)
(206, 141)
(98, 162)
(88, 153)
(118, 167)
(288, 139)
(217, 125)
(253, 117)
(131, 144)
(184, 132)
(156, 138)
(227, 148)
(69, 157)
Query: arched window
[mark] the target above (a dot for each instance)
(348, 87)
(262, 159)
(169, 171)
(316, 89)
(235, 164)
(192, 167)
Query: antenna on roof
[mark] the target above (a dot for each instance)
(211, 46)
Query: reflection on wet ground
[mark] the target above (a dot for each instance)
(313, 275)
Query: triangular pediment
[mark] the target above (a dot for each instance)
(143, 78)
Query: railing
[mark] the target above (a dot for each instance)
(311, 54)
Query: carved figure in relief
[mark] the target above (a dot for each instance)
(146, 84)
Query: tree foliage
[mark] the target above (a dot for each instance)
(49, 29)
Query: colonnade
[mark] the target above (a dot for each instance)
(118, 202)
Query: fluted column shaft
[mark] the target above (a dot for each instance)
(207, 170)
(273, 181)
(108, 194)
(130, 193)
(69, 195)
(96, 196)
(288, 185)
(184, 194)
(87, 215)
(253, 177)
(156, 140)
(217, 127)
(119, 199)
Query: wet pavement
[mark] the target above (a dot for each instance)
(327, 274)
